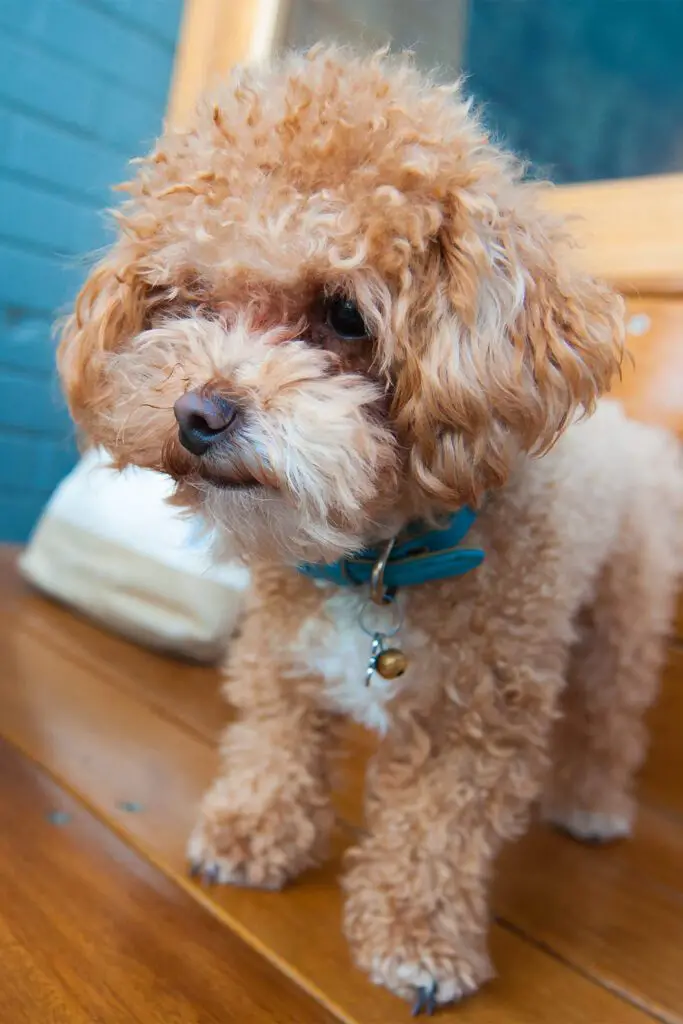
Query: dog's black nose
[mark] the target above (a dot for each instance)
(203, 420)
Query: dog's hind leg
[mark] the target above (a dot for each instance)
(613, 678)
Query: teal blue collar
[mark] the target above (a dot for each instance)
(416, 557)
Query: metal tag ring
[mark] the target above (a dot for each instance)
(375, 630)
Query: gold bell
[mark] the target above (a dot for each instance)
(391, 663)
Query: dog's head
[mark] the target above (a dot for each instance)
(334, 305)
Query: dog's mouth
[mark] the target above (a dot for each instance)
(228, 483)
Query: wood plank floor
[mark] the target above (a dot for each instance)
(102, 923)
(90, 931)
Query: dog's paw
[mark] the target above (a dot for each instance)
(231, 863)
(256, 847)
(592, 827)
(407, 938)
(429, 984)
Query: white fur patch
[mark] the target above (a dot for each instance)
(334, 645)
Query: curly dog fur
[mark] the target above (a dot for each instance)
(328, 175)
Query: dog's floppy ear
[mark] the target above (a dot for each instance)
(516, 340)
(109, 310)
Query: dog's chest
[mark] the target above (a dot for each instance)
(334, 645)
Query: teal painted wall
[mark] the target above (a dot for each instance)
(83, 87)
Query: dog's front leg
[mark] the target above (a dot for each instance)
(268, 815)
(445, 790)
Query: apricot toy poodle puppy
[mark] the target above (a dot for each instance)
(339, 318)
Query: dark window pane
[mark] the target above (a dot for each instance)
(586, 89)
(432, 29)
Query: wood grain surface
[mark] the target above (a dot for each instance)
(91, 932)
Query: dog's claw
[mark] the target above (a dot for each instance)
(418, 1004)
(212, 874)
(194, 868)
(425, 1000)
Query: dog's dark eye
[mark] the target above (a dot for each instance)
(344, 317)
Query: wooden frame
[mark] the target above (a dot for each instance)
(631, 230)
(215, 35)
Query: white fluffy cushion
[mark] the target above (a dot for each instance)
(109, 546)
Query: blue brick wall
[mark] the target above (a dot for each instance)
(83, 87)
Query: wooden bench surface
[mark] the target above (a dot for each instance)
(581, 935)
(651, 388)
(91, 931)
